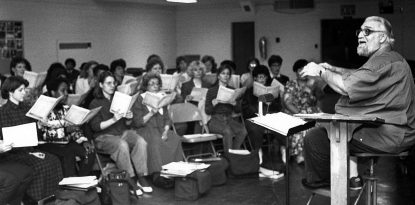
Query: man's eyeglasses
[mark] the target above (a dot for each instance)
(366, 32)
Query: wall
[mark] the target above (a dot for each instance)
(208, 30)
(129, 31)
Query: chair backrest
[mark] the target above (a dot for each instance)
(184, 112)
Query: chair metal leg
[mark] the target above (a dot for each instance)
(374, 193)
(310, 198)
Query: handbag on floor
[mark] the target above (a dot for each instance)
(243, 164)
(115, 185)
(217, 171)
(193, 185)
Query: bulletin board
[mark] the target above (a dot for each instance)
(11, 39)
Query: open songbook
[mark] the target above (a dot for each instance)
(158, 100)
(169, 82)
(122, 103)
(229, 95)
(35, 79)
(24, 135)
(42, 107)
(77, 115)
(128, 88)
(198, 94)
(235, 81)
(282, 123)
(260, 89)
(128, 79)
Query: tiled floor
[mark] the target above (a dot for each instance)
(393, 189)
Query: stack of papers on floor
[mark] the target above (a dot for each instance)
(181, 169)
(79, 183)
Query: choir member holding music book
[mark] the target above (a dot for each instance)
(35, 79)
(252, 107)
(113, 136)
(221, 106)
(153, 124)
(61, 138)
(194, 91)
(47, 171)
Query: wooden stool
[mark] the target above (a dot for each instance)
(371, 179)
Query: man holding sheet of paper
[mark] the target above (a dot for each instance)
(46, 167)
(221, 109)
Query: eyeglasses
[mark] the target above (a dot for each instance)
(154, 84)
(366, 32)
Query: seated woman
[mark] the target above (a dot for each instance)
(154, 125)
(14, 178)
(47, 170)
(221, 121)
(113, 136)
(197, 71)
(86, 78)
(18, 66)
(117, 67)
(247, 79)
(300, 96)
(56, 131)
(250, 106)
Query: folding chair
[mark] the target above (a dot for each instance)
(187, 112)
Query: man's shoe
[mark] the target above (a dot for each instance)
(356, 183)
(315, 185)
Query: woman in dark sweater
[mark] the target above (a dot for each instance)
(222, 122)
(47, 168)
(113, 135)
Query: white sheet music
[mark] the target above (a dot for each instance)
(278, 122)
(24, 135)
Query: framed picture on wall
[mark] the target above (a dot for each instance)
(11, 39)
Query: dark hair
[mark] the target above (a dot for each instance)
(55, 70)
(220, 69)
(85, 68)
(146, 79)
(98, 93)
(17, 60)
(54, 84)
(178, 60)
(153, 62)
(70, 60)
(249, 63)
(299, 64)
(100, 67)
(207, 58)
(11, 84)
(229, 64)
(152, 57)
(119, 62)
(274, 59)
(261, 69)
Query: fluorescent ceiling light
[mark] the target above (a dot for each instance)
(183, 1)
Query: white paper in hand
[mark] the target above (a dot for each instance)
(24, 135)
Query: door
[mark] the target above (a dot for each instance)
(243, 44)
(339, 42)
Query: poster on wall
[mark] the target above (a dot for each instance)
(11, 39)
